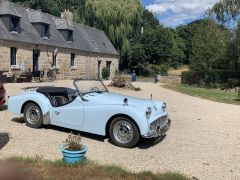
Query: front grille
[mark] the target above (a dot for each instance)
(158, 123)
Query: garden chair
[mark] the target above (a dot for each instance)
(51, 74)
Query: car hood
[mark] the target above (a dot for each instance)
(117, 99)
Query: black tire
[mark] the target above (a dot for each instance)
(38, 121)
(135, 136)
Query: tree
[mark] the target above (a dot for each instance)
(208, 46)
(136, 55)
(233, 52)
(149, 20)
(118, 19)
(157, 44)
(177, 54)
(186, 33)
(226, 11)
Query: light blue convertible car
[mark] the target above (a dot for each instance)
(92, 108)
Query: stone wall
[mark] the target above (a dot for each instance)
(86, 64)
(93, 65)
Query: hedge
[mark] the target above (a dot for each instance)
(214, 76)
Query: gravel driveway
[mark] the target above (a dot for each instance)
(204, 140)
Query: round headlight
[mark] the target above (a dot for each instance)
(148, 112)
(164, 106)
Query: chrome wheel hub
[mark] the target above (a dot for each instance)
(123, 132)
(33, 115)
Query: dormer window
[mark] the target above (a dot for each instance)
(45, 31)
(10, 16)
(70, 36)
(65, 28)
(67, 35)
(40, 22)
(14, 24)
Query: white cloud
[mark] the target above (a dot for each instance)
(175, 12)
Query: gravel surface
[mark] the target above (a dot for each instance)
(203, 142)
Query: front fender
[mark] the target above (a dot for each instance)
(139, 118)
(15, 103)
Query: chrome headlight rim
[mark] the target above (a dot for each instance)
(164, 105)
(148, 112)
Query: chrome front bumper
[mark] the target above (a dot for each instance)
(160, 131)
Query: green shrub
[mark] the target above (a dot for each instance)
(190, 77)
(153, 69)
(208, 78)
(105, 73)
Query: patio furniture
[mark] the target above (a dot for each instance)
(3, 78)
(51, 74)
(38, 75)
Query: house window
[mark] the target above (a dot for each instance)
(70, 36)
(13, 55)
(72, 63)
(14, 24)
(45, 31)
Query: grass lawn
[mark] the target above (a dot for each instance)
(211, 94)
(39, 169)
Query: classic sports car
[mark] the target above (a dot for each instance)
(92, 108)
(2, 94)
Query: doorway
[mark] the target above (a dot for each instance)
(99, 69)
(36, 54)
(109, 67)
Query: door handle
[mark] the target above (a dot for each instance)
(57, 112)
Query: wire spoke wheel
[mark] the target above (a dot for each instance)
(33, 115)
(123, 132)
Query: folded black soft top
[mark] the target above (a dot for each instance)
(50, 90)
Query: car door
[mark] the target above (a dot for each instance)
(70, 115)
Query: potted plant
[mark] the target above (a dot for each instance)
(72, 149)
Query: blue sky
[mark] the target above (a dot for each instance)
(175, 12)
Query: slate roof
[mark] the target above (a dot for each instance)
(37, 17)
(85, 38)
(8, 8)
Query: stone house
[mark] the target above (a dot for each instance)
(31, 40)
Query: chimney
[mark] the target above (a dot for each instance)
(68, 16)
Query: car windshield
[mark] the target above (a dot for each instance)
(90, 86)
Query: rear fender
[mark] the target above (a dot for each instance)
(16, 104)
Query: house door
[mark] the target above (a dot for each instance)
(99, 69)
(36, 54)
